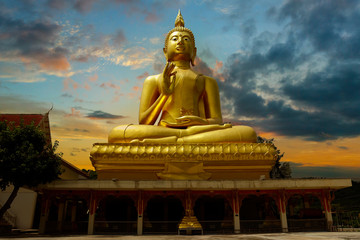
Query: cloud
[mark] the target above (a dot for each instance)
(83, 6)
(155, 40)
(57, 4)
(80, 130)
(134, 57)
(93, 78)
(18, 104)
(303, 82)
(135, 88)
(87, 86)
(106, 85)
(119, 38)
(298, 171)
(143, 76)
(80, 149)
(34, 43)
(103, 115)
(151, 17)
(66, 95)
(74, 113)
(70, 84)
(327, 25)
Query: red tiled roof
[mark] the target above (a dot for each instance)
(74, 168)
(40, 120)
(27, 118)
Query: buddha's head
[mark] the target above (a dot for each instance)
(180, 42)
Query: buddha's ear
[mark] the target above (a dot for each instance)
(193, 57)
(165, 53)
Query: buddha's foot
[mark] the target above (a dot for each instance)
(171, 139)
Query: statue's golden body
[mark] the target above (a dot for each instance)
(187, 103)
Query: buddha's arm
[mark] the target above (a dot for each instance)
(212, 101)
(153, 99)
(151, 102)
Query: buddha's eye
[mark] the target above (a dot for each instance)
(186, 39)
(174, 38)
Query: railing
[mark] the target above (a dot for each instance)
(304, 225)
(346, 221)
(260, 226)
(77, 227)
(160, 227)
(9, 217)
(118, 227)
(217, 226)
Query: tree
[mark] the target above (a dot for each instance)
(91, 173)
(279, 170)
(25, 159)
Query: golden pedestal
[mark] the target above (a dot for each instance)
(189, 224)
(191, 161)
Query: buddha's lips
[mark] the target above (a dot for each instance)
(180, 48)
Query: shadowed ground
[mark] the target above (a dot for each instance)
(271, 236)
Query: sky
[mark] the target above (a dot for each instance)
(289, 69)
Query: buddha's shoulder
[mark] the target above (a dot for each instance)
(206, 79)
(200, 75)
(152, 78)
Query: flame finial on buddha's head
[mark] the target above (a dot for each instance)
(179, 21)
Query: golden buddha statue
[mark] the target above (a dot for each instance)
(186, 104)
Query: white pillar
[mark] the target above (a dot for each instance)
(92, 210)
(73, 212)
(45, 207)
(326, 199)
(140, 225)
(281, 202)
(236, 211)
(140, 209)
(60, 215)
(283, 219)
(73, 215)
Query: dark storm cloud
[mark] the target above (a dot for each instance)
(103, 115)
(335, 90)
(320, 103)
(298, 170)
(26, 36)
(331, 26)
(32, 42)
(57, 4)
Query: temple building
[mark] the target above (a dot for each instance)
(181, 170)
(25, 210)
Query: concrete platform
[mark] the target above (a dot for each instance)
(269, 236)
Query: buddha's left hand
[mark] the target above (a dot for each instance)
(191, 120)
(185, 121)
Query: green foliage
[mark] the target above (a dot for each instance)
(91, 173)
(347, 199)
(25, 157)
(279, 170)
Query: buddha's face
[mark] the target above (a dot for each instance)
(180, 47)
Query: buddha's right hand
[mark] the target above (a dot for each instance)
(168, 79)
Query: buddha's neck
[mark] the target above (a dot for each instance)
(182, 64)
